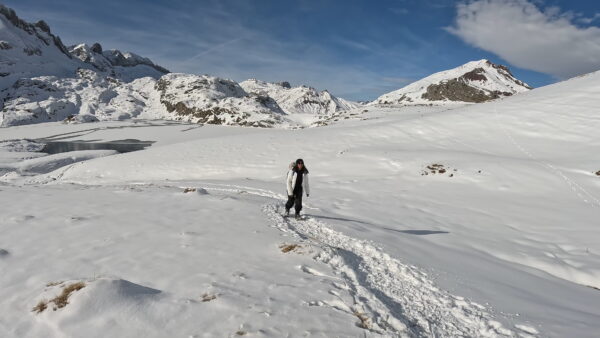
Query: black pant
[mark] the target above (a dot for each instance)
(295, 199)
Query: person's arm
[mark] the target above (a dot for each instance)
(305, 181)
(290, 187)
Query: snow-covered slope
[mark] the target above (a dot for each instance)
(479, 221)
(28, 50)
(298, 100)
(199, 99)
(473, 82)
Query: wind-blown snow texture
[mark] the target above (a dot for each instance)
(473, 82)
(422, 221)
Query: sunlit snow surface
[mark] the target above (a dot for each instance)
(505, 242)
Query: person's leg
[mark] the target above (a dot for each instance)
(298, 202)
(289, 204)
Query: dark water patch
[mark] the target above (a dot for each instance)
(121, 146)
(418, 232)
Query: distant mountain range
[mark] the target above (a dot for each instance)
(42, 80)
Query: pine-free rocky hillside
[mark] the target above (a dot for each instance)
(42, 80)
(299, 100)
(473, 82)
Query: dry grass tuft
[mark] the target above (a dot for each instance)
(285, 248)
(186, 190)
(40, 307)
(241, 333)
(598, 173)
(62, 299)
(365, 322)
(208, 297)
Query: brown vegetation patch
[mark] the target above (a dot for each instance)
(598, 173)
(61, 300)
(186, 190)
(285, 248)
(207, 297)
(241, 333)
(364, 321)
(40, 307)
(54, 283)
(436, 168)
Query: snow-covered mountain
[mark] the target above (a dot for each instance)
(298, 100)
(91, 96)
(30, 50)
(194, 98)
(42, 80)
(473, 82)
(124, 66)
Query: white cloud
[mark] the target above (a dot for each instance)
(589, 20)
(529, 37)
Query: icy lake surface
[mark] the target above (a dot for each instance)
(121, 146)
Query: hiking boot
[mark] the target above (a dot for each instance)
(287, 212)
(298, 216)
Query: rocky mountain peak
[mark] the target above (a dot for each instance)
(473, 82)
(40, 30)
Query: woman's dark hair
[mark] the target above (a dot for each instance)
(303, 165)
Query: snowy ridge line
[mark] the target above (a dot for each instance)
(576, 188)
(400, 298)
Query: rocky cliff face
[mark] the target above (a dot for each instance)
(474, 82)
(112, 61)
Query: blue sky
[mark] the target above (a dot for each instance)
(355, 49)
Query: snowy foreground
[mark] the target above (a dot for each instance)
(504, 240)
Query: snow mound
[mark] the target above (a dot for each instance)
(46, 164)
(101, 304)
(473, 82)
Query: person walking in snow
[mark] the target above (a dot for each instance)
(297, 183)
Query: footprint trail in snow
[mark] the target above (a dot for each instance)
(390, 297)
